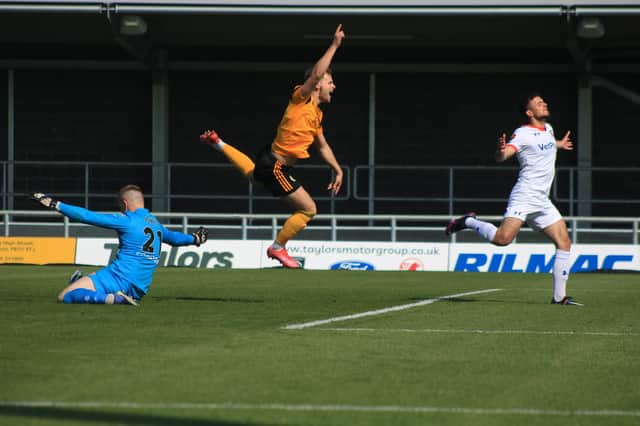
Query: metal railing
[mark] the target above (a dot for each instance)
(565, 181)
(87, 179)
(86, 171)
(334, 227)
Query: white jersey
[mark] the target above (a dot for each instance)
(536, 151)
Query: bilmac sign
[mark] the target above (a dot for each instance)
(540, 257)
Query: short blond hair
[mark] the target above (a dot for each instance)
(133, 194)
(128, 188)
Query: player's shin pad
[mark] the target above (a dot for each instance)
(293, 226)
(84, 295)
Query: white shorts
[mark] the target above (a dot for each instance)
(535, 217)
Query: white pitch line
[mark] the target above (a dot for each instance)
(318, 407)
(384, 310)
(453, 331)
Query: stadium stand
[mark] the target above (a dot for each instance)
(424, 88)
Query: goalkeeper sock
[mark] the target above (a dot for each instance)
(84, 295)
(239, 159)
(485, 229)
(560, 274)
(292, 227)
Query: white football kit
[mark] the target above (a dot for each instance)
(529, 200)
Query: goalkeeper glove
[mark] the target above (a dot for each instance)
(45, 200)
(200, 236)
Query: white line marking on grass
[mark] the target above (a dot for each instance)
(454, 331)
(317, 407)
(384, 310)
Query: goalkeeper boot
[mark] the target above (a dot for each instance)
(122, 299)
(458, 224)
(210, 137)
(567, 300)
(77, 274)
(282, 256)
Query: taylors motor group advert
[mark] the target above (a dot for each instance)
(334, 255)
(362, 256)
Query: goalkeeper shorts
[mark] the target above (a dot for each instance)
(109, 283)
(279, 178)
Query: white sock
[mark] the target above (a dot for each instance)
(219, 145)
(276, 246)
(485, 229)
(560, 274)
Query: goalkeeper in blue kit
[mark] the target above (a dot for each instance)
(127, 279)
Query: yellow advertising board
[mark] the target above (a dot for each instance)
(37, 251)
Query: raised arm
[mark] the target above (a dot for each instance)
(80, 214)
(565, 143)
(103, 220)
(504, 151)
(327, 155)
(322, 65)
(175, 238)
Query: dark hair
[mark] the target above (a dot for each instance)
(307, 72)
(524, 104)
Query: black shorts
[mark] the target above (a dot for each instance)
(279, 178)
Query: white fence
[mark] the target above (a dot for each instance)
(391, 228)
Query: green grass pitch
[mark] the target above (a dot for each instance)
(207, 347)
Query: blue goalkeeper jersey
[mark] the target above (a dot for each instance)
(140, 235)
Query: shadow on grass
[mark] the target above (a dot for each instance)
(205, 299)
(102, 417)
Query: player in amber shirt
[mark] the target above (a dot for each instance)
(300, 127)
